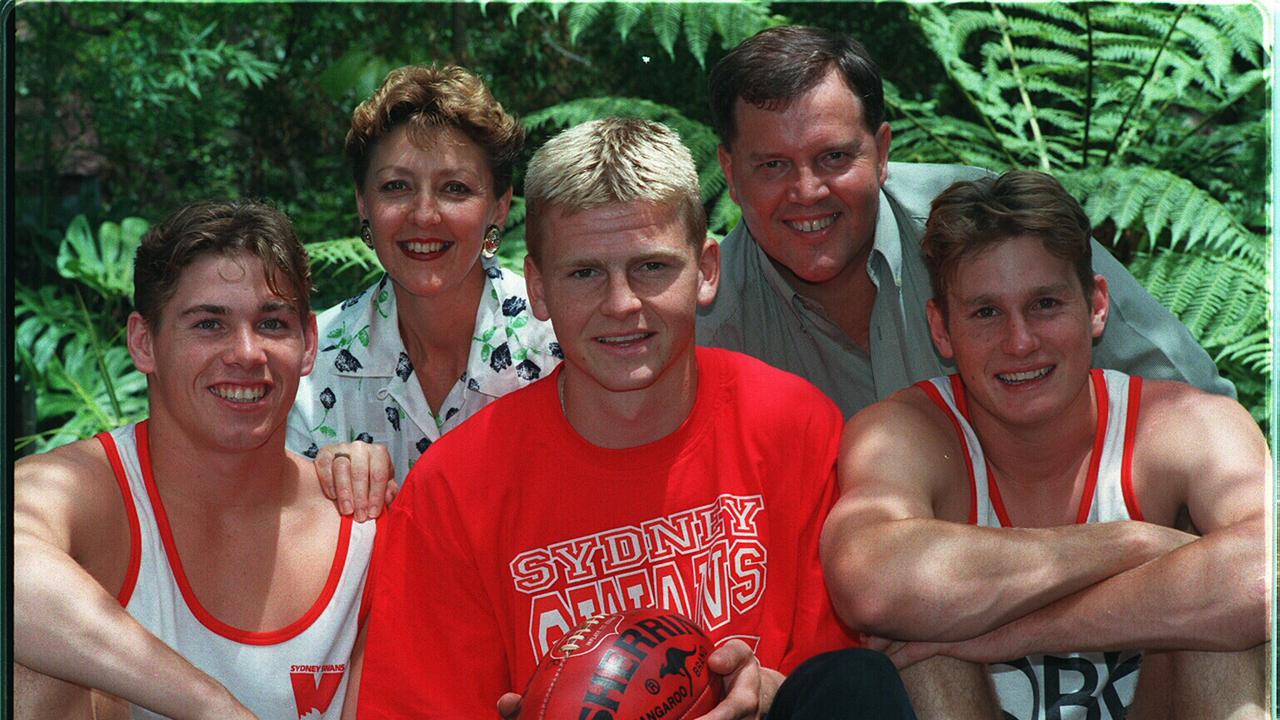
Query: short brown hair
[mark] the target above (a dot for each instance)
(425, 97)
(221, 227)
(971, 216)
(612, 160)
(779, 64)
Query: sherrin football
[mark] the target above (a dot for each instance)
(635, 665)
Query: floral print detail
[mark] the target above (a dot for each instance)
(346, 362)
(404, 367)
(312, 451)
(513, 306)
(556, 352)
(364, 437)
(500, 359)
(528, 370)
(364, 384)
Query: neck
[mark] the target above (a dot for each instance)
(219, 481)
(440, 327)
(847, 299)
(630, 418)
(1044, 452)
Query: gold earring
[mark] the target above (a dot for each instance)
(366, 233)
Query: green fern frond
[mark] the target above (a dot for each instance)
(626, 15)
(1222, 301)
(665, 18)
(582, 16)
(1163, 202)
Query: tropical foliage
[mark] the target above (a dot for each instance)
(1156, 117)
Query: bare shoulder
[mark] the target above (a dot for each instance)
(1198, 451)
(905, 422)
(903, 445)
(69, 497)
(1187, 425)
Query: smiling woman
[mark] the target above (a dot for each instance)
(445, 331)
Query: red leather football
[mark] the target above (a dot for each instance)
(637, 665)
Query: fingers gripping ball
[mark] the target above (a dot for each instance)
(635, 665)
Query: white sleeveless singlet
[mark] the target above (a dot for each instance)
(1072, 686)
(298, 671)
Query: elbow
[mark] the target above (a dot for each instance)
(861, 599)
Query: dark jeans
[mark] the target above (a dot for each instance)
(843, 685)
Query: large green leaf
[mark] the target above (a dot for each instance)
(104, 263)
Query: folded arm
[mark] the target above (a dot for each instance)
(66, 624)
(903, 563)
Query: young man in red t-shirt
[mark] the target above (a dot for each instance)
(661, 474)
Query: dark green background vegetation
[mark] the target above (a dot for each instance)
(1156, 116)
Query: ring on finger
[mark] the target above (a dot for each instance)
(341, 455)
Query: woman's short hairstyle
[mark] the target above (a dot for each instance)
(612, 160)
(426, 97)
(219, 227)
(970, 216)
(777, 65)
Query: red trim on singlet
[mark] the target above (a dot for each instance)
(932, 391)
(1130, 432)
(366, 594)
(247, 637)
(1099, 436)
(131, 512)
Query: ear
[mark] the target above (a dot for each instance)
(884, 137)
(533, 286)
(708, 272)
(503, 209)
(360, 208)
(140, 342)
(938, 329)
(1100, 304)
(311, 338)
(726, 166)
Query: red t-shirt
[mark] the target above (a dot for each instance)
(493, 550)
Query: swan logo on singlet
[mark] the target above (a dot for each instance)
(706, 563)
(314, 686)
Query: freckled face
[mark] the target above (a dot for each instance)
(621, 284)
(225, 358)
(428, 208)
(808, 180)
(1021, 332)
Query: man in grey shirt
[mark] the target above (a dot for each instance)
(823, 276)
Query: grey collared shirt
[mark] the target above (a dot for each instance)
(757, 312)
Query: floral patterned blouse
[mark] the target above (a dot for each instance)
(363, 386)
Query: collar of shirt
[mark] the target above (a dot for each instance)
(379, 352)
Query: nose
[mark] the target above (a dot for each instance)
(808, 186)
(1020, 338)
(245, 348)
(620, 299)
(426, 211)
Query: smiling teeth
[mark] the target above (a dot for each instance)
(425, 247)
(239, 393)
(1025, 376)
(811, 225)
(623, 338)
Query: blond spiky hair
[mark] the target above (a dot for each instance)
(612, 160)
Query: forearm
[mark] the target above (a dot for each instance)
(68, 627)
(1207, 595)
(927, 579)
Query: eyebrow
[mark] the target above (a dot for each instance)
(585, 261)
(988, 299)
(269, 306)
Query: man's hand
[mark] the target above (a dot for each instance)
(749, 688)
(359, 476)
(509, 705)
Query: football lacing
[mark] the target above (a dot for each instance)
(571, 641)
